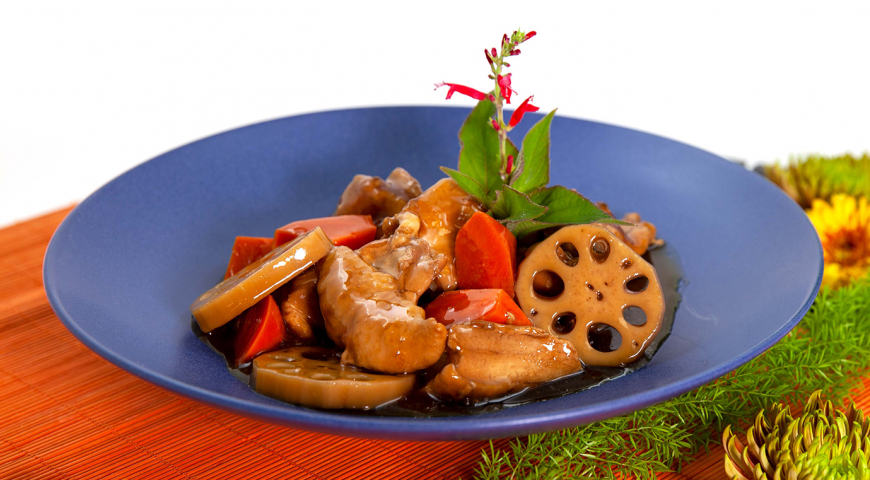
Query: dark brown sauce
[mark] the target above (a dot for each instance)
(419, 404)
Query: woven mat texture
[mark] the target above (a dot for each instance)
(67, 413)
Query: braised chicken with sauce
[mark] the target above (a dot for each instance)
(472, 319)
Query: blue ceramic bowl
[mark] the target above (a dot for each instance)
(123, 268)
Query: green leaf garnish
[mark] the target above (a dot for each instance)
(532, 170)
(567, 207)
(465, 182)
(513, 206)
(479, 157)
(564, 207)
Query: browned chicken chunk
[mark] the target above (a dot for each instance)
(301, 307)
(406, 257)
(641, 236)
(379, 329)
(377, 197)
(443, 209)
(489, 361)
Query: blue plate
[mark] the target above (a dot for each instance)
(123, 268)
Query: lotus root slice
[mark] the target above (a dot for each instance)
(585, 285)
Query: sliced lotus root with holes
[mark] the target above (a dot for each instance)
(585, 285)
(315, 377)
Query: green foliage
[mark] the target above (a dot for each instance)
(479, 156)
(827, 352)
(817, 177)
(532, 170)
(519, 199)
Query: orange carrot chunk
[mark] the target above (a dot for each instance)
(260, 329)
(352, 231)
(486, 255)
(491, 305)
(247, 250)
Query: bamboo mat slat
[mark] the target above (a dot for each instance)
(67, 413)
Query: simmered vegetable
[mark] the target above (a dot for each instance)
(314, 377)
(352, 231)
(247, 250)
(486, 255)
(586, 286)
(491, 305)
(260, 329)
(231, 297)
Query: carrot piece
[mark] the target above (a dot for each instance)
(352, 231)
(247, 250)
(486, 255)
(260, 329)
(491, 305)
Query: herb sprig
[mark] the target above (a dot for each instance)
(512, 183)
(828, 351)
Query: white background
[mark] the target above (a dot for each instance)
(90, 89)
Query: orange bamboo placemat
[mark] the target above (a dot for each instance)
(67, 413)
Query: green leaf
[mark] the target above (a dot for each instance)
(567, 206)
(513, 206)
(532, 169)
(470, 185)
(479, 157)
(564, 207)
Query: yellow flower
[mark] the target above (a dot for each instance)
(844, 229)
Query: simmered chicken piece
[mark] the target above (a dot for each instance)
(379, 328)
(301, 307)
(640, 236)
(405, 256)
(489, 360)
(443, 209)
(366, 195)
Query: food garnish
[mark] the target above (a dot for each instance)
(512, 183)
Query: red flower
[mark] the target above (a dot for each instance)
(488, 58)
(524, 108)
(510, 164)
(495, 125)
(504, 83)
(530, 35)
(515, 51)
(463, 90)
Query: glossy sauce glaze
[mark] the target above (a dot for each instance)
(420, 404)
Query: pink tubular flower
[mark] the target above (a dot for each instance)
(530, 35)
(504, 83)
(488, 58)
(510, 164)
(524, 108)
(495, 125)
(463, 90)
(515, 51)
